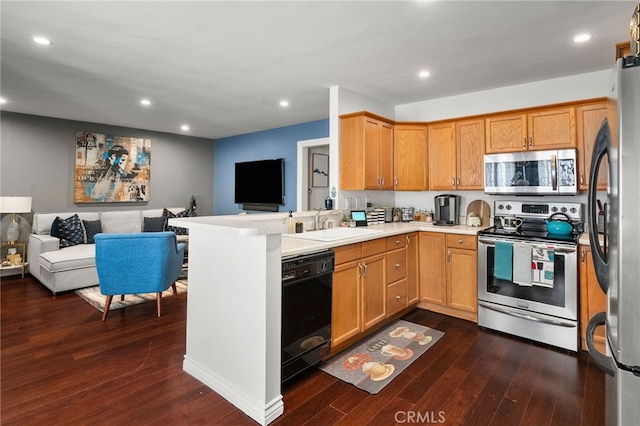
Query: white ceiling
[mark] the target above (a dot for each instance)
(223, 67)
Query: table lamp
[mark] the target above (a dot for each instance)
(14, 205)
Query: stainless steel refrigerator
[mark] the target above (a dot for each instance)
(617, 259)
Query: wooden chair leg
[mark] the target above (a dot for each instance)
(175, 290)
(159, 301)
(107, 305)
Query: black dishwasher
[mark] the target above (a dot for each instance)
(307, 282)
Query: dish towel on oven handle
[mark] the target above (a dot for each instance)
(542, 263)
(522, 273)
(503, 261)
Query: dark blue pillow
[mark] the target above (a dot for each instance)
(91, 228)
(55, 228)
(71, 231)
(154, 224)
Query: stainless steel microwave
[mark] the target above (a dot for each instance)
(551, 172)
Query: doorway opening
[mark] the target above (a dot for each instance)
(312, 192)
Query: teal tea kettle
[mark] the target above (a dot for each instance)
(559, 227)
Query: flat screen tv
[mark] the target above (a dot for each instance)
(260, 182)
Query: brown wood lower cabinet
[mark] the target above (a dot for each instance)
(449, 274)
(592, 300)
(372, 283)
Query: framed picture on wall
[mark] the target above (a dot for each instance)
(111, 169)
(320, 167)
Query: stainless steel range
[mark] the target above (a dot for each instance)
(527, 277)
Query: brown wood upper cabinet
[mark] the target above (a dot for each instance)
(366, 152)
(537, 129)
(590, 117)
(456, 150)
(410, 157)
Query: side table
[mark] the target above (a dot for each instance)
(21, 249)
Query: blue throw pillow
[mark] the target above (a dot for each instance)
(71, 231)
(154, 224)
(167, 214)
(91, 228)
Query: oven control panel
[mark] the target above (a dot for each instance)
(537, 209)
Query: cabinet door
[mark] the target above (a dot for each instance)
(470, 154)
(590, 119)
(462, 279)
(432, 268)
(413, 262)
(374, 300)
(506, 133)
(352, 152)
(410, 157)
(371, 143)
(385, 156)
(346, 303)
(442, 156)
(552, 129)
(592, 299)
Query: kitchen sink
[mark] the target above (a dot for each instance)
(334, 234)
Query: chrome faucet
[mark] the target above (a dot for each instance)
(318, 221)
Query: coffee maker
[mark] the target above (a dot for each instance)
(447, 209)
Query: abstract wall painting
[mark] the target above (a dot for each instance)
(111, 169)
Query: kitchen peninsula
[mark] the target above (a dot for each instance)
(234, 302)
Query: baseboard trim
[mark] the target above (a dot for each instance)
(262, 412)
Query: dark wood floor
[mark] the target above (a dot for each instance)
(62, 365)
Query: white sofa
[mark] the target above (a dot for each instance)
(70, 268)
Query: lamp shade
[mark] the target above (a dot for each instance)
(15, 204)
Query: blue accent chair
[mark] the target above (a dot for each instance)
(144, 262)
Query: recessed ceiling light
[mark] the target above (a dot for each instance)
(184, 128)
(145, 102)
(581, 38)
(42, 40)
(284, 103)
(424, 74)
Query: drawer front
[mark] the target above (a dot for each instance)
(396, 265)
(396, 297)
(348, 253)
(377, 246)
(467, 242)
(396, 242)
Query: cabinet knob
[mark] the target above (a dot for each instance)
(530, 141)
(524, 142)
(581, 178)
(397, 265)
(458, 182)
(460, 241)
(397, 297)
(453, 181)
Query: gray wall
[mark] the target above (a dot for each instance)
(37, 160)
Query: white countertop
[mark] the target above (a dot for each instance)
(294, 246)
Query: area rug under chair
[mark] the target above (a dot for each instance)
(374, 362)
(93, 296)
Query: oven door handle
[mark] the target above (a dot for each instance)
(530, 317)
